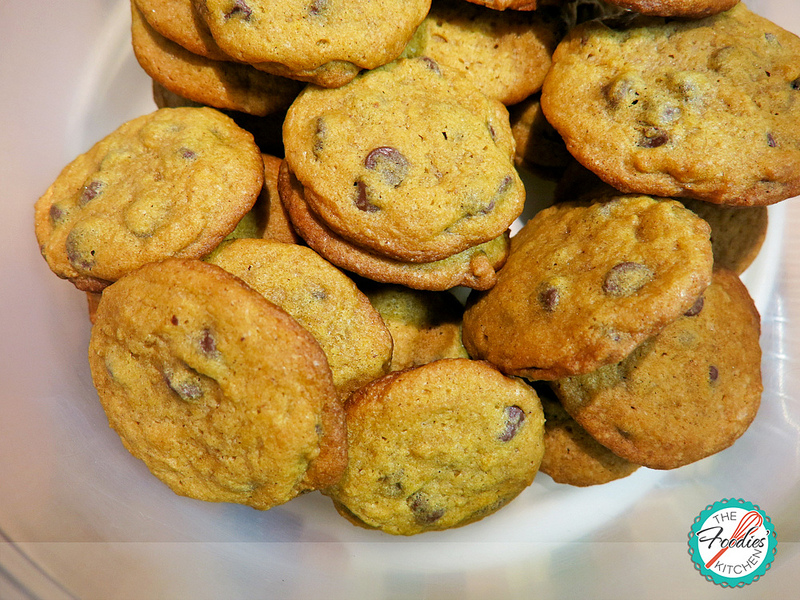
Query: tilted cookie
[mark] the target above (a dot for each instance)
(224, 85)
(322, 299)
(475, 267)
(571, 455)
(322, 41)
(703, 108)
(173, 182)
(408, 161)
(684, 395)
(223, 395)
(505, 54)
(438, 446)
(425, 325)
(539, 147)
(585, 284)
(177, 20)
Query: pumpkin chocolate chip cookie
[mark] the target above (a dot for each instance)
(223, 395)
(173, 182)
(683, 395)
(705, 108)
(438, 446)
(585, 284)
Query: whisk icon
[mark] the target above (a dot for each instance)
(751, 520)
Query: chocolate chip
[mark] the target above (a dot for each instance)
(77, 256)
(185, 382)
(431, 64)
(696, 308)
(362, 200)
(389, 162)
(549, 297)
(421, 508)
(514, 416)
(188, 154)
(623, 91)
(208, 344)
(240, 9)
(317, 7)
(319, 137)
(492, 132)
(174, 320)
(626, 278)
(319, 294)
(795, 84)
(653, 137)
(57, 214)
(713, 373)
(391, 485)
(90, 192)
(771, 141)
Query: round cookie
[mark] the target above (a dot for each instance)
(223, 85)
(408, 139)
(438, 446)
(692, 9)
(509, 4)
(322, 299)
(505, 55)
(684, 395)
(585, 284)
(703, 108)
(571, 455)
(425, 325)
(221, 393)
(173, 182)
(324, 41)
(475, 267)
(178, 21)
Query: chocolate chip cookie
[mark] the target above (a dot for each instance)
(221, 393)
(703, 108)
(684, 395)
(438, 446)
(173, 182)
(585, 284)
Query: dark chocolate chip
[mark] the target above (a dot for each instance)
(184, 382)
(90, 192)
(626, 278)
(240, 9)
(362, 200)
(57, 214)
(548, 298)
(208, 344)
(174, 320)
(432, 64)
(391, 485)
(713, 373)
(319, 137)
(796, 84)
(696, 308)
(188, 154)
(389, 162)
(771, 141)
(653, 137)
(77, 257)
(421, 508)
(317, 7)
(514, 416)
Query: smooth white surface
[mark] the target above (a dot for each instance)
(80, 518)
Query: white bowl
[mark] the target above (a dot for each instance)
(81, 518)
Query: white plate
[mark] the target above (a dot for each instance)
(80, 518)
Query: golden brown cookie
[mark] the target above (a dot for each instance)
(571, 455)
(322, 299)
(438, 446)
(178, 21)
(221, 393)
(173, 182)
(425, 325)
(224, 85)
(539, 147)
(684, 395)
(407, 160)
(504, 54)
(319, 41)
(475, 267)
(585, 284)
(703, 108)
(692, 9)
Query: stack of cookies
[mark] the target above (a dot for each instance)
(270, 256)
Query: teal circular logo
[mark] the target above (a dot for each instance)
(732, 543)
